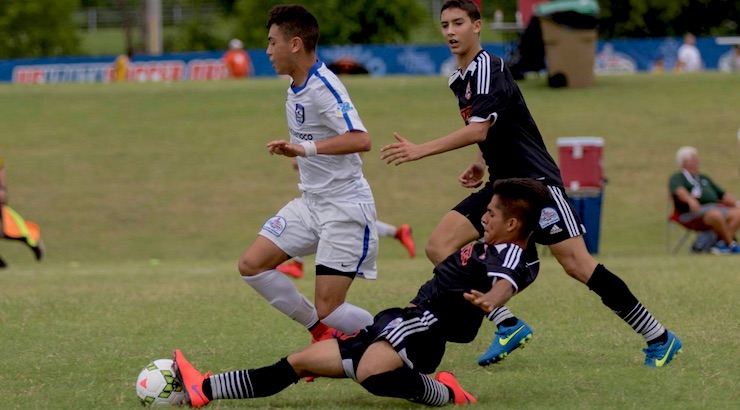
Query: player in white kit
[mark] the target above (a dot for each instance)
(335, 217)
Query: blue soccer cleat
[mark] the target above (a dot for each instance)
(660, 354)
(506, 341)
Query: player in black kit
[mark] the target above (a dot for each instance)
(498, 120)
(393, 356)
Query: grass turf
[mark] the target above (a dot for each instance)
(147, 193)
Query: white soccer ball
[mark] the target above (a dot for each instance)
(157, 386)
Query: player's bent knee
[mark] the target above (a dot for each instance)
(248, 267)
(299, 364)
(325, 310)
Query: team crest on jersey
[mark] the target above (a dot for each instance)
(343, 108)
(275, 225)
(392, 325)
(548, 217)
(300, 114)
(468, 93)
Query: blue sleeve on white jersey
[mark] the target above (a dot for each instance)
(337, 108)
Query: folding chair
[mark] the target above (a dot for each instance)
(683, 231)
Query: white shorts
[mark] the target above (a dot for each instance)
(343, 235)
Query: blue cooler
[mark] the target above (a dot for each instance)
(587, 203)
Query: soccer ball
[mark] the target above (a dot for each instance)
(157, 385)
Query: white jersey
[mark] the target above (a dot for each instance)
(319, 110)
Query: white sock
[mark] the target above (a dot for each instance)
(298, 259)
(348, 318)
(282, 294)
(385, 229)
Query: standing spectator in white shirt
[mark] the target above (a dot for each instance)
(689, 57)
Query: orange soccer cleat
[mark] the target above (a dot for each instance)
(403, 234)
(190, 379)
(461, 397)
(292, 268)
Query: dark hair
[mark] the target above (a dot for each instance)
(467, 6)
(295, 21)
(523, 199)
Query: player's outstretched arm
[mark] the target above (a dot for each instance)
(282, 147)
(499, 294)
(472, 177)
(348, 143)
(405, 151)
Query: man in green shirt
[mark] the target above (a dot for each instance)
(697, 198)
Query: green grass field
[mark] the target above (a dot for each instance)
(147, 194)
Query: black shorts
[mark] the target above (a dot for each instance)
(411, 332)
(558, 221)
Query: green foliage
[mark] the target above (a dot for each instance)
(659, 18)
(369, 21)
(195, 36)
(341, 22)
(251, 17)
(37, 28)
(654, 18)
(203, 33)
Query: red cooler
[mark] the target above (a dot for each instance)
(582, 172)
(581, 162)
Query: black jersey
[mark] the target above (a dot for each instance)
(475, 266)
(513, 147)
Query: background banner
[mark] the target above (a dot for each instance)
(613, 56)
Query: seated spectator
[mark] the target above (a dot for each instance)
(698, 199)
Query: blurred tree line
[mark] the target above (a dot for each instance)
(30, 28)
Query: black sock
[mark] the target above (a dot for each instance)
(616, 296)
(408, 384)
(509, 322)
(206, 387)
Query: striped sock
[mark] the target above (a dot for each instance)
(501, 314)
(617, 296)
(247, 384)
(644, 323)
(434, 394)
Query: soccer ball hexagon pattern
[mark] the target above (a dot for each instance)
(157, 385)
